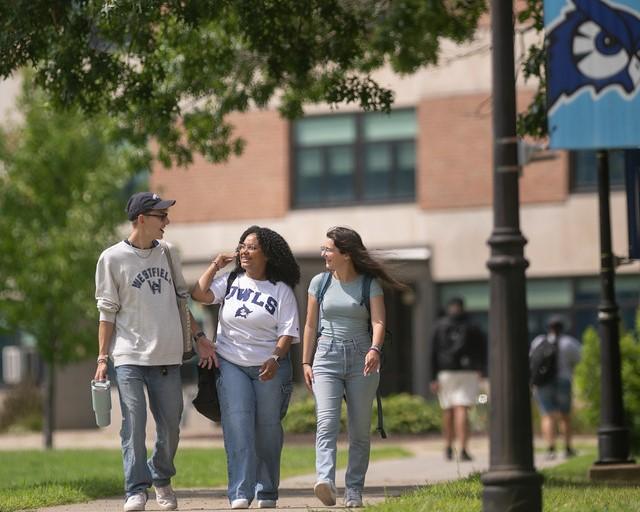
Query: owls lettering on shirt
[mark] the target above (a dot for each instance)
(251, 297)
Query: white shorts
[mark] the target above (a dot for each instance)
(458, 388)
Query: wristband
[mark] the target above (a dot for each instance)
(309, 364)
(102, 359)
(197, 335)
(375, 348)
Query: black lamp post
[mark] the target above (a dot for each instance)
(511, 483)
(613, 436)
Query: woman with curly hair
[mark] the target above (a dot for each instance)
(347, 356)
(257, 324)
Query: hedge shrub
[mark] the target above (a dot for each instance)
(403, 414)
(22, 409)
(587, 382)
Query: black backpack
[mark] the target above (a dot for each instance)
(457, 339)
(206, 401)
(543, 362)
(364, 301)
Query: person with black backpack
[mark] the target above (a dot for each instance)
(257, 324)
(458, 361)
(347, 337)
(552, 359)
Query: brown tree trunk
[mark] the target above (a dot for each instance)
(48, 404)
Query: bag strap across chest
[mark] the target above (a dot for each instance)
(366, 302)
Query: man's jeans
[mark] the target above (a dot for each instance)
(338, 370)
(164, 387)
(252, 411)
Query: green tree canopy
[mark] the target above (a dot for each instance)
(62, 189)
(533, 121)
(173, 70)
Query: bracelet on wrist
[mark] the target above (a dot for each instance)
(198, 335)
(308, 364)
(375, 348)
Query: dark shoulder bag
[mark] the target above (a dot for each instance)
(182, 299)
(366, 301)
(206, 401)
(366, 292)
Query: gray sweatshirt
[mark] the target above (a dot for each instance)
(134, 290)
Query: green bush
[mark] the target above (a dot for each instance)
(403, 414)
(22, 409)
(408, 414)
(587, 382)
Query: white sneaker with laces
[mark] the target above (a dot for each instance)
(240, 503)
(266, 503)
(166, 498)
(352, 498)
(326, 492)
(135, 502)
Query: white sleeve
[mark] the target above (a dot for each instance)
(536, 341)
(107, 294)
(288, 322)
(176, 270)
(575, 351)
(219, 288)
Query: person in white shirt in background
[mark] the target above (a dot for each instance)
(257, 324)
(554, 398)
(140, 332)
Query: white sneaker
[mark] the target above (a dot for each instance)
(352, 498)
(266, 503)
(166, 498)
(240, 503)
(135, 502)
(326, 492)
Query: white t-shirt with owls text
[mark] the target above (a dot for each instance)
(254, 315)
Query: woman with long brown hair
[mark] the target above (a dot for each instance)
(347, 356)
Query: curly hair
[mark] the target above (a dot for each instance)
(348, 241)
(281, 265)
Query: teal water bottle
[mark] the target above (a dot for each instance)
(101, 399)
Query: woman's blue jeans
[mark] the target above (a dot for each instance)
(338, 370)
(252, 411)
(164, 388)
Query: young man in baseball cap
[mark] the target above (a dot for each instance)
(140, 333)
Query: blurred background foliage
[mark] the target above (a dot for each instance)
(64, 178)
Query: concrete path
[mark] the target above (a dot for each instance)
(384, 479)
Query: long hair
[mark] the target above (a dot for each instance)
(281, 265)
(348, 241)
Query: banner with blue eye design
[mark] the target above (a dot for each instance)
(593, 73)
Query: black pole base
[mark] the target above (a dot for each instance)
(613, 445)
(512, 491)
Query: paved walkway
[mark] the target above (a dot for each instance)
(384, 478)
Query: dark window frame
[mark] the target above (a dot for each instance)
(359, 146)
(577, 188)
(571, 312)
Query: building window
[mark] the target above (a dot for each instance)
(584, 170)
(577, 299)
(354, 158)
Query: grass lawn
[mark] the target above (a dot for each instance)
(566, 489)
(32, 478)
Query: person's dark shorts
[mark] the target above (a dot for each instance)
(554, 397)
